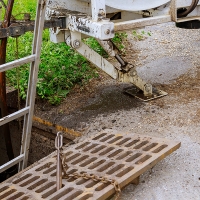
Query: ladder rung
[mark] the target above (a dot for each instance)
(17, 63)
(11, 163)
(14, 116)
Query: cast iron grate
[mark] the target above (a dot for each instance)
(122, 157)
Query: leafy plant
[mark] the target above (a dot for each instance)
(140, 35)
(118, 40)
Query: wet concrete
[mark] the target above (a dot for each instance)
(109, 99)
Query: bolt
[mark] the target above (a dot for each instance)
(107, 32)
(17, 31)
(76, 44)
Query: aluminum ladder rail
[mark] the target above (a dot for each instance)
(27, 112)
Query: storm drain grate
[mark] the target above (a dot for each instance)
(122, 157)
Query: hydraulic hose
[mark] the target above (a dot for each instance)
(185, 12)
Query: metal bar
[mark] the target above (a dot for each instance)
(98, 9)
(14, 116)
(11, 163)
(17, 63)
(142, 22)
(39, 24)
(19, 29)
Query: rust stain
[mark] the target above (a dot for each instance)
(57, 127)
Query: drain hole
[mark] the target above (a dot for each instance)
(37, 184)
(85, 197)
(82, 181)
(124, 155)
(160, 148)
(107, 138)
(88, 162)
(72, 171)
(123, 141)
(106, 151)
(143, 159)
(16, 196)
(113, 170)
(50, 169)
(100, 136)
(73, 196)
(97, 164)
(132, 143)
(50, 192)
(71, 179)
(3, 188)
(47, 165)
(25, 198)
(61, 194)
(29, 181)
(141, 144)
(54, 174)
(115, 139)
(72, 157)
(83, 145)
(150, 146)
(115, 153)
(7, 193)
(79, 160)
(22, 178)
(133, 157)
(90, 147)
(125, 171)
(101, 187)
(92, 184)
(47, 186)
(98, 149)
(106, 166)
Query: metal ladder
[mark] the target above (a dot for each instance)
(27, 112)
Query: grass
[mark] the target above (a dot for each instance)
(60, 69)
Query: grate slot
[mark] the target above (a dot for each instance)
(16, 196)
(37, 184)
(107, 138)
(82, 158)
(124, 155)
(47, 165)
(151, 146)
(8, 193)
(142, 160)
(29, 181)
(91, 184)
(102, 186)
(115, 169)
(115, 153)
(125, 171)
(97, 164)
(74, 195)
(50, 169)
(106, 166)
(160, 148)
(132, 143)
(22, 178)
(25, 198)
(98, 149)
(83, 145)
(108, 150)
(100, 136)
(85, 197)
(133, 157)
(45, 187)
(72, 157)
(123, 141)
(90, 147)
(82, 181)
(3, 189)
(115, 139)
(141, 144)
(87, 162)
(50, 192)
(62, 193)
